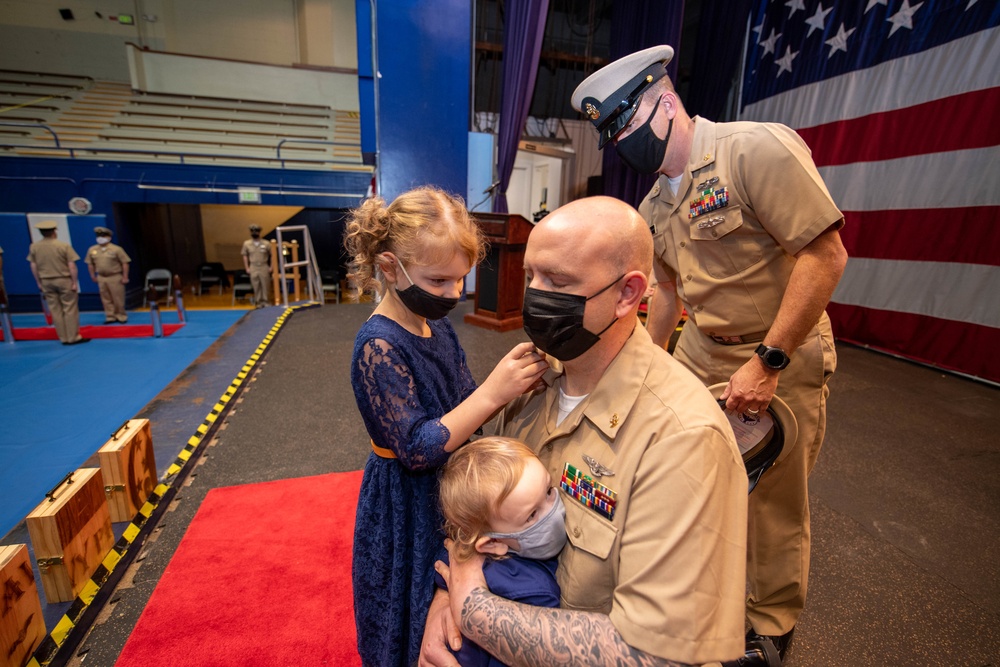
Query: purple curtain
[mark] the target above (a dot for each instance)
(524, 26)
(635, 26)
(717, 52)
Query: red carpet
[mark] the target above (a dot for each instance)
(262, 577)
(94, 331)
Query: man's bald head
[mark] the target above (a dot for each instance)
(602, 227)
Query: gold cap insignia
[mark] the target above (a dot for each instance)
(592, 111)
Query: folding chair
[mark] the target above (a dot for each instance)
(331, 283)
(161, 280)
(242, 286)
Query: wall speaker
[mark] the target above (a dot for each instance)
(67, 14)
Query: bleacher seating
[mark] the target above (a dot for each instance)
(109, 120)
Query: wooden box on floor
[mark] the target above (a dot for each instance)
(22, 627)
(71, 534)
(128, 468)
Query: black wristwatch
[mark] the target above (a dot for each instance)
(773, 357)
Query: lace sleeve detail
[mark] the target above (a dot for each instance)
(401, 421)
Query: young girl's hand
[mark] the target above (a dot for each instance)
(519, 371)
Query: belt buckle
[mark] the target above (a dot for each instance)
(729, 340)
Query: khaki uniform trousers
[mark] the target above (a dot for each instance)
(778, 527)
(113, 297)
(260, 277)
(63, 303)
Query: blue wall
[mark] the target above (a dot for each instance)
(40, 185)
(424, 86)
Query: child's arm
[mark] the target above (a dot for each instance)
(515, 374)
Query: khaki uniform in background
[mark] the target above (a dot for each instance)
(258, 253)
(732, 265)
(670, 578)
(51, 258)
(108, 263)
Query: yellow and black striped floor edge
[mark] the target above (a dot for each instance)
(69, 630)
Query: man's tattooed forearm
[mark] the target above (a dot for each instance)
(520, 634)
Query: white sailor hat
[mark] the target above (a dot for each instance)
(610, 96)
(761, 438)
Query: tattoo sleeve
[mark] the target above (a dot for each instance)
(528, 636)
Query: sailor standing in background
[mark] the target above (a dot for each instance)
(53, 263)
(108, 266)
(256, 255)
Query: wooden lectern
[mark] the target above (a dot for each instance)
(500, 277)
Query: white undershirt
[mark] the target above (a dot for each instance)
(674, 182)
(567, 404)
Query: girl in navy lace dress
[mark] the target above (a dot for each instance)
(419, 403)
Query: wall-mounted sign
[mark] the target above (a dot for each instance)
(249, 195)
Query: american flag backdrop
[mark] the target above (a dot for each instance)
(899, 101)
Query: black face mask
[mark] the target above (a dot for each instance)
(554, 322)
(642, 150)
(255, 235)
(423, 303)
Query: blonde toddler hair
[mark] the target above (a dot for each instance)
(474, 482)
(423, 226)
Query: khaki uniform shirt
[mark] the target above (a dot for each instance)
(670, 567)
(258, 252)
(107, 259)
(732, 263)
(52, 258)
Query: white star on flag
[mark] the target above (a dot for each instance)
(759, 30)
(872, 3)
(816, 20)
(839, 41)
(785, 61)
(904, 17)
(770, 42)
(795, 5)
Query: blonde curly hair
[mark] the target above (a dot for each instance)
(473, 484)
(423, 226)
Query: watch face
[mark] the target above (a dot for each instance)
(775, 358)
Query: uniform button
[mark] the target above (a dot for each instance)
(683, 244)
(687, 277)
(576, 531)
(715, 233)
(547, 446)
(700, 307)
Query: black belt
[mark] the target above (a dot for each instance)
(108, 275)
(740, 340)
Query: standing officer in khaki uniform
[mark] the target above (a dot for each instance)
(256, 257)
(746, 239)
(53, 263)
(108, 266)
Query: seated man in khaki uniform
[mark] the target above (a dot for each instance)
(108, 264)
(53, 263)
(653, 484)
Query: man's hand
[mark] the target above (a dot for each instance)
(462, 578)
(751, 387)
(440, 631)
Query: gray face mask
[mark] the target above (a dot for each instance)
(545, 538)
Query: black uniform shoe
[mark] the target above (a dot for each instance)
(760, 652)
(110, 321)
(781, 642)
(78, 341)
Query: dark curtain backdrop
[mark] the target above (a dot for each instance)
(523, 28)
(717, 51)
(635, 26)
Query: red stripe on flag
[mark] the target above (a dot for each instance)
(955, 346)
(968, 235)
(932, 127)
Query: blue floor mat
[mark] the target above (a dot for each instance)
(59, 404)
